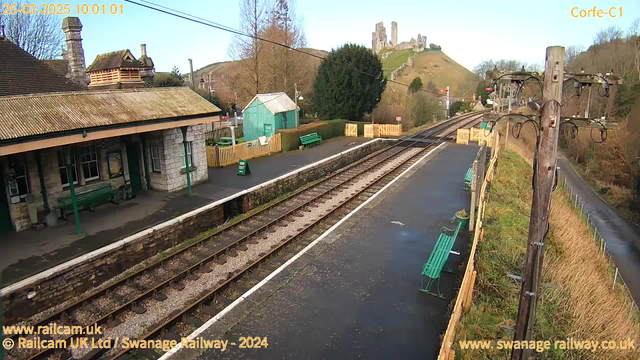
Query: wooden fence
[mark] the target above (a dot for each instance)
(378, 130)
(224, 156)
(465, 294)
(351, 130)
(217, 133)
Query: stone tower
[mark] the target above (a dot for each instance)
(394, 34)
(379, 38)
(74, 53)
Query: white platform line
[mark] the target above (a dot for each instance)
(244, 296)
(86, 257)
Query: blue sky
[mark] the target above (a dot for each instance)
(468, 31)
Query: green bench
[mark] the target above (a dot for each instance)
(87, 198)
(437, 260)
(225, 141)
(467, 178)
(310, 139)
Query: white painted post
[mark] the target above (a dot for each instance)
(604, 250)
(615, 278)
(233, 135)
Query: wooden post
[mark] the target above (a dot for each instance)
(543, 179)
(506, 138)
(474, 190)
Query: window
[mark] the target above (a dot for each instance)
(89, 162)
(64, 179)
(189, 154)
(155, 158)
(21, 185)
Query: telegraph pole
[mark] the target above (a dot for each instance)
(193, 80)
(543, 180)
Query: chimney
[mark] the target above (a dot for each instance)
(148, 71)
(74, 53)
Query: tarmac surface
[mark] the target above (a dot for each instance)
(355, 293)
(29, 252)
(621, 236)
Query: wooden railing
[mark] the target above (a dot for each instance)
(351, 130)
(378, 130)
(224, 156)
(465, 294)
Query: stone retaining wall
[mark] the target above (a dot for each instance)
(74, 281)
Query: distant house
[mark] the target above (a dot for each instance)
(121, 70)
(267, 113)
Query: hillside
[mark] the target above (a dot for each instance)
(434, 66)
(233, 69)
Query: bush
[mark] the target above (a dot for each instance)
(291, 137)
(326, 129)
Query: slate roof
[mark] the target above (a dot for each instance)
(275, 102)
(21, 73)
(39, 114)
(59, 66)
(114, 60)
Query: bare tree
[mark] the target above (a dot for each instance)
(286, 67)
(571, 54)
(248, 50)
(482, 68)
(610, 34)
(38, 34)
(634, 29)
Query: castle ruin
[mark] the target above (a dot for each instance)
(379, 40)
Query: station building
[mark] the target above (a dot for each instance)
(59, 141)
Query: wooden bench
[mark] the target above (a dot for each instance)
(225, 141)
(310, 139)
(88, 198)
(437, 260)
(468, 178)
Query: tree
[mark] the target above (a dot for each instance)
(248, 50)
(38, 34)
(431, 87)
(610, 34)
(571, 54)
(433, 46)
(349, 83)
(174, 79)
(283, 66)
(416, 85)
(482, 92)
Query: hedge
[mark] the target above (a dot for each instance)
(326, 130)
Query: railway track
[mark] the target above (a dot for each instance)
(173, 296)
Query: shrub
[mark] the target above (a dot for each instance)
(291, 137)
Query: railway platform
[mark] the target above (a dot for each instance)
(354, 293)
(30, 252)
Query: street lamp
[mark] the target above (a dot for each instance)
(297, 96)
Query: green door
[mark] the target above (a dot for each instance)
(5, 216)
(133, 159)
(268, 130)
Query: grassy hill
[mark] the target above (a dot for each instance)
(434, 66)
(233, 69)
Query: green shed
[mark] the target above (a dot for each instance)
(267, 113)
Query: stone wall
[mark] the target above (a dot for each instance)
(295, 181)
(75, 280)
(174, 157)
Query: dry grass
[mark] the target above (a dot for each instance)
(581, 304)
